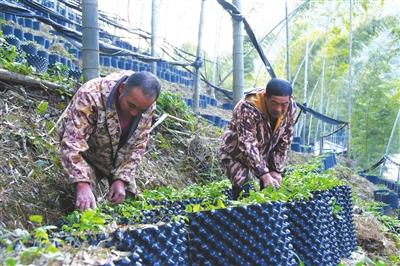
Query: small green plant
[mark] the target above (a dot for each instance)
(163, 143)
(42, 107)
(206, 205)
(40, 233)
(298, 184)
(336, 209)
(17, 250)
(58, 73)
(8, 54)
(301, 263)
(11, 262)
(20, 68)
(8, 59)
(173, 104)
(85, 222)
(38, 219)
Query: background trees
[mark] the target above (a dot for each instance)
(376, 85)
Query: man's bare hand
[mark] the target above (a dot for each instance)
(267, 180)
(117, 192)
(84, 197)
(277, 176)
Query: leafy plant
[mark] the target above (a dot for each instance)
(58, 73)
(8, 54)
(8, 59)
(42, 107)
(87, 221)
(336, 209)
(206, 205)
(38, 219)
(11, 262)
(163, 143)
(173, 104)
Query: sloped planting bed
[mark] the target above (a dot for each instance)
(308, 219)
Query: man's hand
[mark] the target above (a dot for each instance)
(117, 192)
(84, 197)
(277, 176)
(267, 179)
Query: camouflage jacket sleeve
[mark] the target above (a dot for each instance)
(79, 123)
(126, 170)
(279, 153)
(247, 140)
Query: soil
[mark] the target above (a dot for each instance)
(32, 179)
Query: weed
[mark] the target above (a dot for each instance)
(87, 221)
(336, 209)
(173, 104)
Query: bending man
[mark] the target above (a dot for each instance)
(105, 131)
(259, 136)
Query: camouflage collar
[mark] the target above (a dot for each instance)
(111, 96)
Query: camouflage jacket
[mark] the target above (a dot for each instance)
(90, 135)
(251, 140)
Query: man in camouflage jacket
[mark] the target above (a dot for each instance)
(104, 133)
(259, 136)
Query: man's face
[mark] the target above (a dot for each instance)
(277, 105)
(133, 102)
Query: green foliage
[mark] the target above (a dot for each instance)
(131, 209)
(30, 254)
(42, 107)
(376, 94)
(20, 68)
(41, 235)
(162, 142)
(58, 73)
(37, 219)
(172, 103)
(211, 190)
(394, 259)
(87, 221)
(8, 54)
(367, 262)
(336, 208)
(389, 222)
(206, 205)
(11, 262)
(298, 184)
(8, 58)
(301, 263)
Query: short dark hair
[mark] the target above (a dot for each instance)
(146, 81)
(278, 87)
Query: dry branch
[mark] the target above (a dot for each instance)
(165, 116)
(16, 78)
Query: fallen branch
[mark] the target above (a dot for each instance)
(165, 116)
(179, 132)
(16, 78)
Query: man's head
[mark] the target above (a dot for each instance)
(278, 93)
(138, 93)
